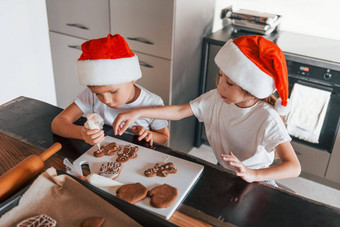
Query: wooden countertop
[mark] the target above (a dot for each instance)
(218, 198)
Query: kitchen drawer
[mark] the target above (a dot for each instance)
(65, 53)
(146, 24)
(82, 18)
(156, 75)
(312, 161)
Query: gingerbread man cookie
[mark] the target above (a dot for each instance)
(161, 170)
(127, 153)
(108, 149)
(111, 169)
(163, 196)
(39, 220)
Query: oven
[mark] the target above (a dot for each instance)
(316, 76)
(320, 76)
(320, 159)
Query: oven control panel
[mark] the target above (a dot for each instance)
(313, 73)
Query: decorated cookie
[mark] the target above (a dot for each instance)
(162, 196)
(108, 149)
(111, 169)
(41, 220)
(132, 193)
(161, 170)
(93, 222)
(127, 153)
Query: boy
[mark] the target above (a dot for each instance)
(110, 70)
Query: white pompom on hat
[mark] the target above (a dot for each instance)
(107, 61)
(258, 66)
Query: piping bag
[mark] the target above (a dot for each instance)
(24, 171)
(94, 121)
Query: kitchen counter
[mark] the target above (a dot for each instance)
(219, 198)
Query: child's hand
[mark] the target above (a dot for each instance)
(143, 134)
(241, 170)
(123, 121)
(92, 136)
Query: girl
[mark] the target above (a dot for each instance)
(242, 128)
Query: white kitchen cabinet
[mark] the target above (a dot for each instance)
(156, 76)
(148, 25)
(166, 35)
(81, 18)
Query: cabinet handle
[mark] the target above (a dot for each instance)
(142, 63)
(74, 47)
(78, 26)
(142, 40)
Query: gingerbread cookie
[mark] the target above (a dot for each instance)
(93, 222)
(111, 169)
(108, 149)
(39, 220)
(163, 196)
(161, 170)
(127, 153)
(132, 193)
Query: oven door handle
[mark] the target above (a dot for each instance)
(315, 85)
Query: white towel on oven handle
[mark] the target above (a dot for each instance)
(309, 106)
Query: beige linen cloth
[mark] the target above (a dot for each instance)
(66, 201)
(309, 106)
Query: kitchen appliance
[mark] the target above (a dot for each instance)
(323, 76)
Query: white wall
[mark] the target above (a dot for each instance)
(313, 17)
(25, 59)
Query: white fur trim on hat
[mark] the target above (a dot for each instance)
(108, 71)
(243, 71)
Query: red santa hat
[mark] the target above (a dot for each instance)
(107, 61)
(258, 66)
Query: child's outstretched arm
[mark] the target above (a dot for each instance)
(62, 125)
(289, 166)
(174, 112)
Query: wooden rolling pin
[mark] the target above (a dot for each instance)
(24, 171)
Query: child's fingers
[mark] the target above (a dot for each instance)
(96, 135)
(134, 129)
(142, 136)
(240, 174)
(99, 139)
(124, 127)
(232, 154)
(90, 132)
(238, 165)
(141, 131)
(227, 158)
(118, 121)
(148, 137)
(151, 141)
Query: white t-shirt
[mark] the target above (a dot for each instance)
(88, 103)
(250, 133)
